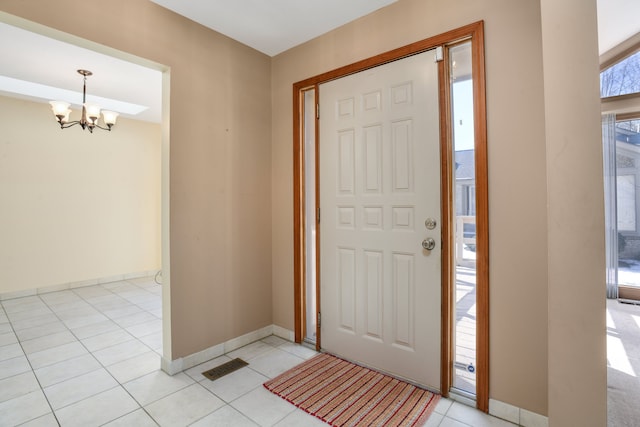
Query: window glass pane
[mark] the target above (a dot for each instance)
(627, 158)
(626, 193)
(310, 212)
(628, 132)
(464, 377)
(627, 171)
(622, 78)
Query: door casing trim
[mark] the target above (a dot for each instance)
(475, 33)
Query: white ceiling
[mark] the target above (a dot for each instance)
(39, 68)
(618, 20)
(276, 25)
(35, 67)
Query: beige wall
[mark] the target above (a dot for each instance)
(75, 206)
(517, 172)
(577, 361)
(220, 131)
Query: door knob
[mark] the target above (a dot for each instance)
(429, 243)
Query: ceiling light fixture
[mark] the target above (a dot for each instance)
(90, 112)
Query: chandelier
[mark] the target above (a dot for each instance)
(90, 112)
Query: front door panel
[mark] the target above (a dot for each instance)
(380, 199)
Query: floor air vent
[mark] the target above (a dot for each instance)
(224, 369)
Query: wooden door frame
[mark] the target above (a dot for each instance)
(474, 33)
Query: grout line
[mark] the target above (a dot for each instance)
(102, 366)
(32, 370)
(277, 346)
(105, 367)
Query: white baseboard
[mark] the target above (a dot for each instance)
(283, 333)
(73, 285)
(176, 366)
(17, 294)
(516, 415)
(241, 341)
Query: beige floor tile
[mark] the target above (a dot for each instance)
(24, 408)
(145, 328)
(275, 362)
(54, 355)
(17, 385)
(137, 418)
(120, 352)
(109, 339)
(134, 319)
(79, 388)
(41, 331)
(156, 385)
(299, 418)
(14, 366)
(135, 367)
(48, 341)
(10, 351)
(98, 409)
(67, 369)
(235, 384)
(35, 321)
(473, 417)
(184, 407)
(91, 330)
(48, 420)
(263, 407)
(225, 417)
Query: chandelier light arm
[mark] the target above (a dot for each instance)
(84, 126)
(68, 124)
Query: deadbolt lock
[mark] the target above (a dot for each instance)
(430, 223)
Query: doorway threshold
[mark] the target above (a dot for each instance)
(463, 397)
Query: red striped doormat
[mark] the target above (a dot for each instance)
(341, 393)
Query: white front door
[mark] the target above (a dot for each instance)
(379, 184)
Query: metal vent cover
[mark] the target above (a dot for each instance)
(224, 369)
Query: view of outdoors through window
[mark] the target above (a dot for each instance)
(464, 376)
(622, 78)
(628, 213)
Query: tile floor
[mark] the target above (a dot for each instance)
(91, 356)
(623, 363)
